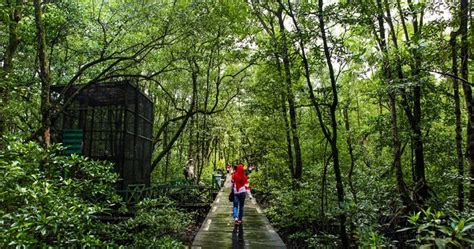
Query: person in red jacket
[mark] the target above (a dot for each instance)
(241, 188)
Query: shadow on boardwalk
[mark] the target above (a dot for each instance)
(218, 229)
(238, 237)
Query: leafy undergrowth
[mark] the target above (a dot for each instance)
(437, 229)
(51, 200)
(154, 225)
(297, 216)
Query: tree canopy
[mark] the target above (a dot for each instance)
(357, 115)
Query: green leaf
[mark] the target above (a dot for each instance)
(467, 228)
(460, 225)
(444, 230)
(456, 243)
(440, 243)
(405, 229)
(422, 227)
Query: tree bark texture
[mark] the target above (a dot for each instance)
(463, 16)
(458, 129)
(13, 37)
(420, 177)
(351, 151)
(284, 111)
(44, 74)
(165, 141)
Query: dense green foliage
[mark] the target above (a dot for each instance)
(53, 200)
(154, 225)
(49, 199)
(434, 228)
(356, 114)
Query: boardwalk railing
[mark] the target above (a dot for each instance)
(185, 194)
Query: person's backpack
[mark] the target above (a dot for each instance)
(231, 194)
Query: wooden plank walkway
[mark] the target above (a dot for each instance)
(218, 229)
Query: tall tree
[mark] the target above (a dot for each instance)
(333, 141)
(396, 146)
(284, 111)
(290, 95)
(43, 73)
(269, 28)
(457, 113)
(14, 17)
(464, 47)
(349, 139)
(411, 103)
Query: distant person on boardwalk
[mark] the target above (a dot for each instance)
(241, 188)
(188, 170)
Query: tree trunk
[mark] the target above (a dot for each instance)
(181, 150)
(420, 178)
(351, 150)
(463, 14)
(457, 113)
(397, 154)
(215, 154)
(284, 112)
(323, 182)
(12, 46)
(44, 74)
(288, 136)
(181, 128)
(334, 148)
(291, 97)
(190, 139)
(13, 38)
(225, 153)
(397, 163)
(414, 117)
(198, 147)
(165, 141)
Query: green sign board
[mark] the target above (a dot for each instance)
(72, 140)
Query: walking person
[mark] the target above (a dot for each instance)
(241, 188)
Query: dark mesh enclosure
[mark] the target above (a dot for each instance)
(116, 121)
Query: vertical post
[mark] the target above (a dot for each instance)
(91, 130)
(124, 136)
(215, 154)
(135, 135)
(150, 149)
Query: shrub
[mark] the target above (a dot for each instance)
(49, 200)
(435, 229)
(367, 237)
(154, 226)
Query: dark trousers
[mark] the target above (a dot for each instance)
(238, 210)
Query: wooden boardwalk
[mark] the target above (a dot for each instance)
(218, 229)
